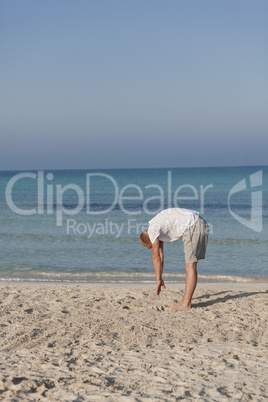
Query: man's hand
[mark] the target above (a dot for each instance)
(160, 283)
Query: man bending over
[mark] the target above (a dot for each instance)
(170, 225)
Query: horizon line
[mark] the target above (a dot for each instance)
(134, 168)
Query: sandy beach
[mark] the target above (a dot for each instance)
(119, 342)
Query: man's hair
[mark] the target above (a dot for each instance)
(144, 238)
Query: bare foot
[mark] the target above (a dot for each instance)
(180, 307)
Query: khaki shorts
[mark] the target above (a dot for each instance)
(195, 240)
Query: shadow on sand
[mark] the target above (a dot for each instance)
(223, 299)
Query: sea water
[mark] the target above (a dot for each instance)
(84, 225)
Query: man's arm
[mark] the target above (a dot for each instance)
(161, 252)
(158, 263)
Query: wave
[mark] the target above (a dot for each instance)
(83, 237)
(124, 277)
(237, 241)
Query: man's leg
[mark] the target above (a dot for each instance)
(191, 281)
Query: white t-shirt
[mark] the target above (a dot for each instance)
(170, 224)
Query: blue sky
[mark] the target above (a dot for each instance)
(133, 83)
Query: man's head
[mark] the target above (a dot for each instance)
(145, 239)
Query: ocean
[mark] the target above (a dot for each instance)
(84, 225)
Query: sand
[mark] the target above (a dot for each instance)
(109, 342)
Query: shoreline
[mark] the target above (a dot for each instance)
(202, 284)
(131, 279)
